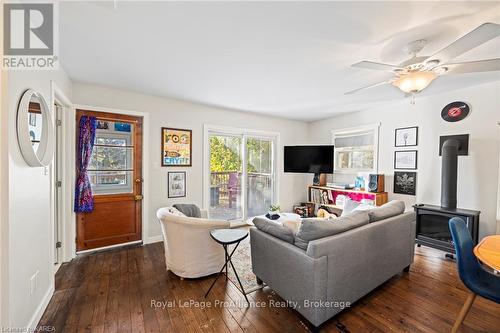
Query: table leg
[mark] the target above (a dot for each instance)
(237, 277)
(228, 259)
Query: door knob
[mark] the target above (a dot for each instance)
(138, 180)
(138, 197)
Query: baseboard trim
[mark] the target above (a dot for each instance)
(154, 239)
(40, 310)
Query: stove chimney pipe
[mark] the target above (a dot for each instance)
(449, 172)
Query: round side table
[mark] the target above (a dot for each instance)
(227, 237)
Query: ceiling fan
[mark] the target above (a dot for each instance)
(416, 73)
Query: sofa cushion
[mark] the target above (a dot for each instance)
(390, 209)
(274, 228)
(312, 229)
(190, 210)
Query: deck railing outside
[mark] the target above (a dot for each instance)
(225, 194)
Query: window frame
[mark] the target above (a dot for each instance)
(375, 128)
(110, 189)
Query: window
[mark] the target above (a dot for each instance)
(110, 169)
(356, 149)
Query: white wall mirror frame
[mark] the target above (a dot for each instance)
(37, 154)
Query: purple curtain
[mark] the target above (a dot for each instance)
(84, 202)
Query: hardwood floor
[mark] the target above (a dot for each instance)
(113, 292)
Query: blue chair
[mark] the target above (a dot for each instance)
(479, 281)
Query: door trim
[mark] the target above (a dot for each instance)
(67, 155)
(244, 133)
(146, 238)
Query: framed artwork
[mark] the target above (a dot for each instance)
(406, 137)
(176, 147)
(177, 184)
(405, 159)
(405, 182)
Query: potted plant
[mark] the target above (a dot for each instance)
(274, 211)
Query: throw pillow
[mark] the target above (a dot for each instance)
(312, 229)
(390, 209)
(274, 228)
(354, 207)
(175, 211)
(349, 206)
(189, 210)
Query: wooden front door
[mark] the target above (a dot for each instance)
(115, 172)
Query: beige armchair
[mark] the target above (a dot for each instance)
(190, 252)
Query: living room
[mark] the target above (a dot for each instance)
(223, 92)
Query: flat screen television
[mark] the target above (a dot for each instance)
(309, 159)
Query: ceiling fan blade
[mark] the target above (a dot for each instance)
(367, 87)
(488, 65)
(375, 65)
(476, 37)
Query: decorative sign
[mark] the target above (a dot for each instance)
(176, 147)
(455, 111)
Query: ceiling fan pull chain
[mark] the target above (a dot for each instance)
(412, 98)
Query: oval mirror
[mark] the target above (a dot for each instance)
(34, 129)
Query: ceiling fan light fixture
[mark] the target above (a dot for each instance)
(414, 82)
(432, 63)
(440, 70)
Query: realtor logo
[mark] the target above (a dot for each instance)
(28, 36)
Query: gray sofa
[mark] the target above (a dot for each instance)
(334, 270)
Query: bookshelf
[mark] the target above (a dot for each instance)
(315, 194)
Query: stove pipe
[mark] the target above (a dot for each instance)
(449, 170)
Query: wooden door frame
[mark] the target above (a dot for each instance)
(146, 239)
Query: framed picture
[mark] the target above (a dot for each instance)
(177, 184)
(405, 182)
(405, 159)
(176, 147)
(406, 137)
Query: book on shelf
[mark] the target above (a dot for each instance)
(340, 186)
(320, 196)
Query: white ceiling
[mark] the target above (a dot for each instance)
(287, 59)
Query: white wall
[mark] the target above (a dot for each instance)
(478, 172)
(173, 113)
(4, 197)
(30, 237)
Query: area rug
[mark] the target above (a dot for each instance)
(242, 260)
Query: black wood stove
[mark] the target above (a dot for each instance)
(432, 221)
